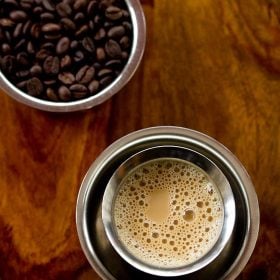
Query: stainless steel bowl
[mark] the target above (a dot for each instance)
(168, 152)
(137, 50)
(95, 244)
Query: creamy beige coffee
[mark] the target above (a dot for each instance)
(168, 213)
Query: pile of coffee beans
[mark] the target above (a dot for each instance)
(64, 50)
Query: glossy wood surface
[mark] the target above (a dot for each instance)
(213, 66)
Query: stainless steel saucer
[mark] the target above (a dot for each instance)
(97, 248)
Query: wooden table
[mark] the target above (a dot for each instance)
(213, 66)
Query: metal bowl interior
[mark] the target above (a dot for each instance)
(178, 153)
(95, 244)
(137, 50)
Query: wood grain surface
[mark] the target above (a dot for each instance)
(213, 66)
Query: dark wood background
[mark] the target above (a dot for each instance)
(213, 66)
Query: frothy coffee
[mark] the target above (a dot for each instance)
(168, 213)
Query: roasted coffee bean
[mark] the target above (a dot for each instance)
(26, 4)
(34, 87)
(63, 9)
(113, 13)
(63, 45)
(51, 27)
(42, 54)
(21, 85)
(18, 15)
(106, 81)
(48, 5)
(51, 94)
(64, 93)
(79, 17)
(65, 62)
(20, 44)
(6, 22)
(113, 49)
(88, 44)
(36, 70)
(38, 10)
(30, 48)
(78, 4)
(66, 78)
(47, 16)
(103, 4)
(22, 59)
(116, 32)
(13, 3)
(100, 54)
(127, 25)
(91, 25)
(125, 42)
(22, 74)
(124, 55)
(27, 26)
(114, 63)
(100, 34)
(82, 30)
(8, 63)
(51, 65)
(85, 74)
(91, 7)
(74, 45)
(79, 56)
(93, 87)
(104, 72)
(6, 48)
(78, 91)
(18, 30)
(35, 30)
(68, 24)
(52, 37)
(48, 46)
(50, 82)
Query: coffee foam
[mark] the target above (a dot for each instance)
(182, 227)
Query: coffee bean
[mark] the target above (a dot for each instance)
(48, 46)
(78, 4)
(74, 45)
(79, 17)
(22, 58)
(106, 81)
(100, 54)
(64, 93)
(48, 5)
(35, 70)
(78, 91)
(114, 63)
(66, 78)
(91, 7)
(63, 9)
(85, 74)
(20, 44)
(79, 56)
(34, 87)
(93, 87)
(35, 30)
(62, 45)
(18, 30)
(6, 22)
(51, 94)
(42, 54)
(82, 30)
(52, 37)
(18, 15)
(68, 24)
(27, 26)
(104, 72)
(22, 74)
(47, 16)
(100, 34)
(51, 65)
(127, 25)
(38, 10)
(6, 48)
(26, 4)
(13, 3)
(65, 62)
(113, 49)
(50, 82)
(88, 44)
(124, 55)
(51, 27)
(116, 32)
(125, 42)
(113, 13)
(21, 85)
(103, 4)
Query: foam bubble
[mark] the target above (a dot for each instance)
(181, 212)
